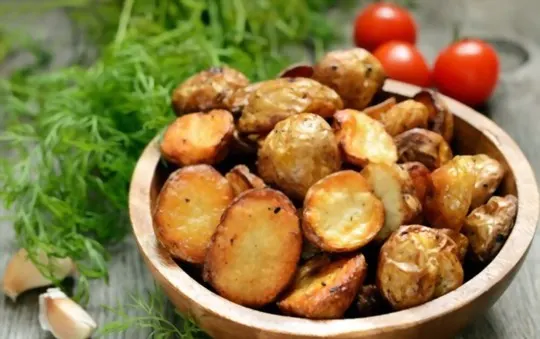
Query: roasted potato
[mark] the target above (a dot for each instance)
(278, 99)
(239, 99)
(370, 302)
(341, 213)
(462, 242)
(355, 74)
(423, 146)
(441, 119)
(241, 179)
(298, 152)
(489, 174)
(198, 138)
(488, 226)
(421, 179)
(402, 117)
(324, 289)
(447, 204)
(207, 90)
(362, 139)
(255, 249)
(188, 210)
(300, 70)
(380, 108)
(394, 187)
(416, 265)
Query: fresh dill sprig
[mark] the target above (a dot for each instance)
(74, 135)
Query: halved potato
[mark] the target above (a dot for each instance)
(198, 138)
(188, 210)
(278, 99)
(207, 90)
(363, 139)
(394, 187)
(462, 242)
(402, 117)
(488, 226)
(441, 119)
(355, 74)
(341, 213)
(298, 152)
(324, 289)
(255, 249)
(378, 109)
(416, 265)
(446, 206)
(421, 179)
(241, 179)
(370, 302)
(423, 146)
(489, 174)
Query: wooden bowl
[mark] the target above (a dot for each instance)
(444, 316)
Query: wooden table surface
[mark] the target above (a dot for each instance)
(515, 107)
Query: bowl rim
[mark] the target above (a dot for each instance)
(513, 251)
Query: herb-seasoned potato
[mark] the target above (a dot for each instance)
(460, 239)
(241, 179)
(370, 302)
(362, 139)
(255, 249)
(354, 73)
(402, 117)
(423, 146)
(421, 179)
(488, 226)
(416, 265)
(207, 90)
(394, 187)
(278, 99)
(380, 108)
(324, 289)
(236, 102)
(198, 138)
(441, 119)
(341, 213)
(489, 174)
(446, 206)
(298, 152)
(188, 210)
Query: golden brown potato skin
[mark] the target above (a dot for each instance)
(298, 152)
(453, 184)
(188, 193)
(488, 226)
(416, 265)
(362, 139)
(207, 90)
(462, 242)
(341, 213)
(239, 99)
(489, 174)
(324, 289)
(421, 179)
(370, 302)
(241, 179)
(423, 146)
(355, 74)
(198, 138)
(380, 108)
(402, 117)
(255, 249)
(278, 99)
(441, 120)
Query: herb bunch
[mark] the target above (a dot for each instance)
(74, 135)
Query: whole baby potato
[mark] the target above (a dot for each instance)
(298, 152)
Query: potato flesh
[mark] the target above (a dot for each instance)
(489, 174)
(341, 213)
(198, 138)
(255, 249)
(188, 211)
(423, 146)
(402, 117)
(363, 139)
(488, 226)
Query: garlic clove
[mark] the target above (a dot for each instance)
(63, 317)
(22, 275)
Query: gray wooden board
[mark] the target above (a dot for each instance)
(515, 107)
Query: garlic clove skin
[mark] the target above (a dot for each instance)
(63, 317)
(22, 275)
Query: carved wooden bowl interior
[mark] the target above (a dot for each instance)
(443, 317)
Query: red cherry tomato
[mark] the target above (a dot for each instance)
(402, 61)
(382, 22)
(467, 71)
